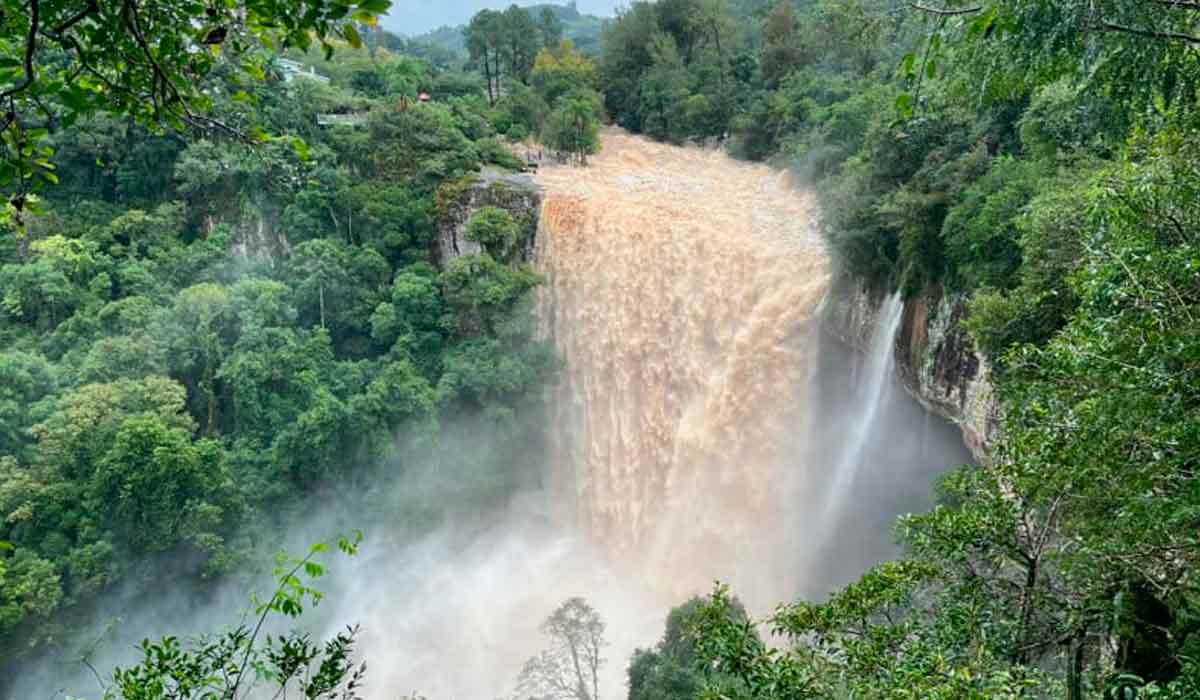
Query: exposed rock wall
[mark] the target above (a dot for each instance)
(254, 222)
(459, 201)
(258, 237)
(935, 358)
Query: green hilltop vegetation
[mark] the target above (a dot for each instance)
(214, 310)
(582, 29)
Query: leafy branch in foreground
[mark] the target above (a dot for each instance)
(236, 663)
(61, 60)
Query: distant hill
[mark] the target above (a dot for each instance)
(580, 28)
(449, 38)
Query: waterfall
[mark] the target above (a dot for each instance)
(682, 290)
(871, 386)
(700, 428)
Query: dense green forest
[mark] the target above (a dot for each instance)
(1038, 159)
(214, 310)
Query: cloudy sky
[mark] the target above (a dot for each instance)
(417, 16)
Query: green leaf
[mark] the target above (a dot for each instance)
(904, 104)
(254, 70)
(75, 98)
(375, 6)
(981, 24)
(351, 35)
(302, 150)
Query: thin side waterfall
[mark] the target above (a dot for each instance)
(871, 388)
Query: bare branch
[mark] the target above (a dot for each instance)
(92, 8)
(945, 12)
(1151, 33)
(30, 48)
(1179, 4)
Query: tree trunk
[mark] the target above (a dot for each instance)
(487, 73)
(1075, 670)
(210, 392)
(1027, 600)
(321, 294)
(496, 70)
(720, 56)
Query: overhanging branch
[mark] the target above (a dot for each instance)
(92, 8)
(30, 48)
(1179, 4)
(945, 12)
(1151, 33)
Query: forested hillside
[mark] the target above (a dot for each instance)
(207, 327)
(1039, 158)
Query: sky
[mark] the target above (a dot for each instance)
(413, 17)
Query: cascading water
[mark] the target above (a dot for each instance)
(702, 429)
(871, 389)
(682, 289)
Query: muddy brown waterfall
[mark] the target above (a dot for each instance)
(682, 291)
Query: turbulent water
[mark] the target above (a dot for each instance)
(681, 292)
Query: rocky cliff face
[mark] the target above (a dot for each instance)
(459, 201)
(935, 358)
(258, 238)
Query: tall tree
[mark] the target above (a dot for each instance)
(570, 668)
(484, 36)
(574, 126)
(550, 28)
(521, 42)
(782, 52)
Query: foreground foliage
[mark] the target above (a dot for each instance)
(246, 660)
(64, 60)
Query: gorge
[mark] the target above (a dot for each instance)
(706, 425)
